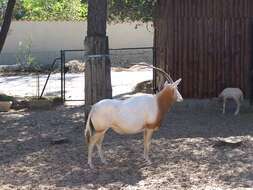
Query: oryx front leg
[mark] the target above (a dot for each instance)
(224, 105)
(93, 140)
(147, 141)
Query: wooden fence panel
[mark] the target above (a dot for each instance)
(205, 42)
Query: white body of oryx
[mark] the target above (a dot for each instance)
(134, 115)
(125, 116)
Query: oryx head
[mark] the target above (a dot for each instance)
(169, 82)
(177, 96)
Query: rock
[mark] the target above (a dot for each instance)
(59, 141)
(75, 66)
(10, 68)
(138, 67)
(144, 87)
(18, 105)
(230, 144)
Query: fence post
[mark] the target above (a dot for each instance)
(154, 72)
(62, 72)
(251, 63)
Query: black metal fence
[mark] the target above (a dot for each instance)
(74, 61)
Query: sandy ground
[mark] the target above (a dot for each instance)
(123, 81)
(182, 151)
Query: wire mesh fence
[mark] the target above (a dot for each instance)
(66, 76)
(125, 57)
(126, 73)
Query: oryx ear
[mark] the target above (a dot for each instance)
(176, 83)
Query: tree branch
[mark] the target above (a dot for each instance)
(7, 22)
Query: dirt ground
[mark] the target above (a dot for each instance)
(185, 152)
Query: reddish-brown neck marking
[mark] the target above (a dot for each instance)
(165, 99)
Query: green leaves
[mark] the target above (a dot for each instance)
(3, 4)
(44, 10)
(24, 56)
(131, 10)
(4, 97)
(77, 10)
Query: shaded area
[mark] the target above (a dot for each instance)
(182, 152)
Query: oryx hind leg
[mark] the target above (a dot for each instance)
(238, 104)
(94, 139)
(99, 147)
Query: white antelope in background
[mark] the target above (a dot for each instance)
(232, 93)
(134, 115)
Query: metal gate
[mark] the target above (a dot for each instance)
(81, 55)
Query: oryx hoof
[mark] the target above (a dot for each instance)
(104, 161)
(91, 165)
(148, 161)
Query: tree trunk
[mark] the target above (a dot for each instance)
(98, 68)
(7, 22)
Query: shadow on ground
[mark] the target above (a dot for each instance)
(181, 150)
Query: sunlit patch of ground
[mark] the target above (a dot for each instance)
(123, 81)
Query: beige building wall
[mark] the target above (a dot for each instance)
(48, 38)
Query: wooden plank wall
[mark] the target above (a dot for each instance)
(204, 42)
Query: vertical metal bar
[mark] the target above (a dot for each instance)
(64, 79)
(250, 81)
(50, 71)
(154, 73)
(62, 71)
(38, 86)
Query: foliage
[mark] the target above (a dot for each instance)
(6, 20)
(19, 10)
(42, 10)
(3, 5)
(4, 97)
(24, 56)
(131, 10)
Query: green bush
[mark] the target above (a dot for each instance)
(41, 10)
(4, 97)
(131, 10)
(24, 56)
(3, 4)
(77, 10)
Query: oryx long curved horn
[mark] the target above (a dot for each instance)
(167, 76)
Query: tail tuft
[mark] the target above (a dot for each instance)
(89, 129)
(87, 137)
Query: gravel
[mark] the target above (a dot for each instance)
(182, 151)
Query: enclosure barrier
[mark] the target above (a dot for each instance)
(64, 69)
(50, 71)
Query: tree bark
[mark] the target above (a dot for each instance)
(97, 15)
(7, 22)
(98, 69)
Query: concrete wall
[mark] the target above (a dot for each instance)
(48, 38)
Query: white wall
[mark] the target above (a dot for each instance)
(48, 38)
